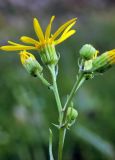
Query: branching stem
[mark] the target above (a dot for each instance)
(77, 84)
(62, 111)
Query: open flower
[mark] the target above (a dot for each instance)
(46, 42)
(44, 39)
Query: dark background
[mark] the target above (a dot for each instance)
(27, 108)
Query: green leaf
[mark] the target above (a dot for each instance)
(50, 145)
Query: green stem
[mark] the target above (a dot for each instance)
(62, 114)
(56, 93)
(62, 133)
(62, 130)
(44, 81)
(76, 86)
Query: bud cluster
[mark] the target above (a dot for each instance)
(92, 63)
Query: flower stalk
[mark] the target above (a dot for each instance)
(43, 80)
(78, 83)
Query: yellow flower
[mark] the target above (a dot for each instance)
(46, 42)
(43, 39)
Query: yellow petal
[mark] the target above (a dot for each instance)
(111, 52)
(29, 40)
(111, 56)
(16, 48)
(25, 56)
(48, 29)
(38, 29)
(65, 25)
(68, 28)
(13, 43)
(63, 38)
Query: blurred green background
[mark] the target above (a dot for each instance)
(27, 108)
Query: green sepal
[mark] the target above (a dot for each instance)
(32, 66)
(48, 55)
(101, 63)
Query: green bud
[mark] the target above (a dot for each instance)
(88, 52)
(48, 55)
(30, 63)
(71, 115)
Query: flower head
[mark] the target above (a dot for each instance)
(43, 39)
(46, 42)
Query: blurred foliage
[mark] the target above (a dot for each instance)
(27, 108)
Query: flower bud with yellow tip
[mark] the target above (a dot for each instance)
(104, 61)
(30, 63)
(88, 52)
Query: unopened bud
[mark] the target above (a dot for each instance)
(30, 63)
(104, 61)
(71, 115)
(88, 52)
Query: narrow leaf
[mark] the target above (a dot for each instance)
(50, 144)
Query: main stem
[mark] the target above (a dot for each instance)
(62, 133)
(56, 93)
(63, 129)
(62, 113)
